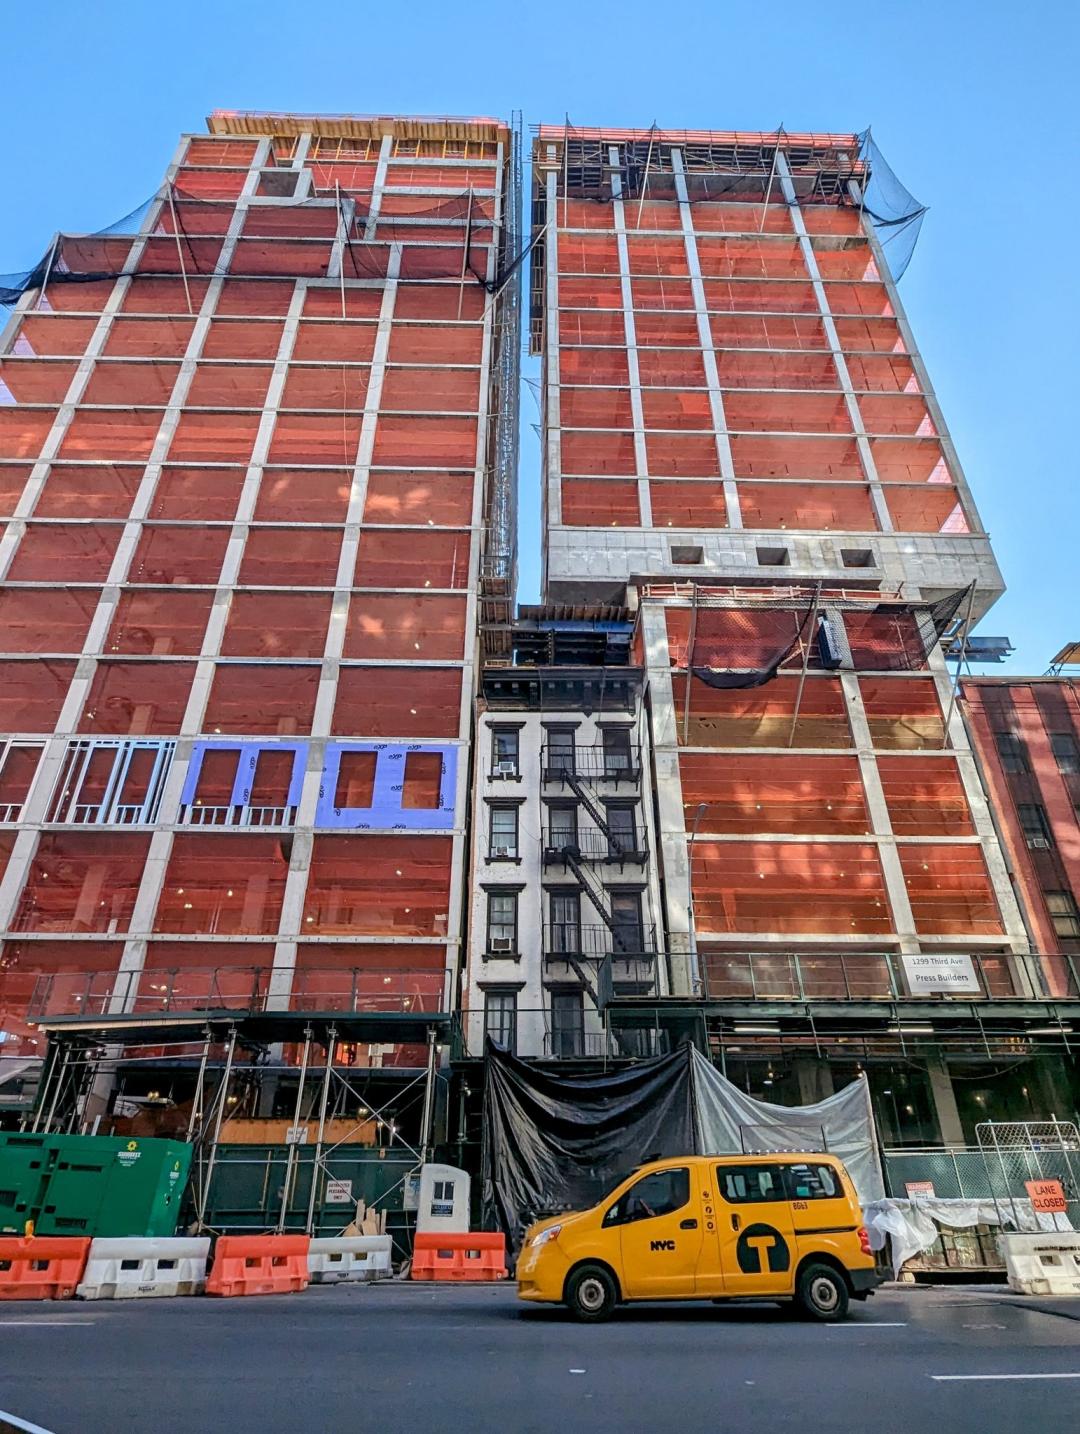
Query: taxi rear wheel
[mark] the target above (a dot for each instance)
(822, 1293)
(591, 1294)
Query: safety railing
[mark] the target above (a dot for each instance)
(570, 939)
(591, 763)
(593, 845)
(246, 989)
(538, 1033)
(883, 976)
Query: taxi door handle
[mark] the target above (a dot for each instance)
(735, 1222)
(687, 1224)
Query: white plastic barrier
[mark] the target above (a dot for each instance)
(355, 1257)
(138, 1269)
(1042, 1264)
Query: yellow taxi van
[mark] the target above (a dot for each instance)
(694, 1227)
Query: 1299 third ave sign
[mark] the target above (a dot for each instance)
(940, 973)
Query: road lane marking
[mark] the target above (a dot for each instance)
(871, 1324)
(46, 1323)
(952, 1378)
(14, 1422)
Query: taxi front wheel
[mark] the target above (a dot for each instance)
(591, 1294)
(822, 1293)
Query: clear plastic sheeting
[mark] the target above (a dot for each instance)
(896, 214)
(727, 1119)
(912, 1226)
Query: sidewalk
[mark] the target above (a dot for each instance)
(1067, 1306)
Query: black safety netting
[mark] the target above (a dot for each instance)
(187, 237)
(560, 1142)
(745, 647)
(896, 214)
(742, 171)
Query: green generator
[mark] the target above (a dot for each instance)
(91, 1184)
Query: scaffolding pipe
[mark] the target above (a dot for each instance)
(692, 638)
(223, 1093)
(48, 269)
(61, 1077)
(331, 1043)
(180, 250)
(772, 176)
(645, 176)
(805, 666)
(427, 1119)
(290, 1160)
(197, 1098)
(959, 664)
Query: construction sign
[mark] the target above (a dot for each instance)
(1047, 1196)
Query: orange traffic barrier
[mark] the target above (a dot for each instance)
(41, 1267)
(477, 1256)
(259, 1265)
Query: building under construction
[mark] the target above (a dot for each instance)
(279, 766)
(742, 444)
(257, 459)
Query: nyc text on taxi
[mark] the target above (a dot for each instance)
(783, 1227)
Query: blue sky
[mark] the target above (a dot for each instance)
(973, 105)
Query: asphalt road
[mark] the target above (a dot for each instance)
(415, 1357)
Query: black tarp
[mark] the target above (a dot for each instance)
(560, 1142)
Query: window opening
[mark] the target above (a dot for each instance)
(503, 833)
(567, 1024)
(661, 1193)
(104, 783)
(505, 752)
(502, 922)
(18, 763)
(500, 1018)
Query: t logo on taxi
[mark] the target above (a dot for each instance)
(760, 1247)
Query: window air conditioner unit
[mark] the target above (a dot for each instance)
(500, 943)
(1039, 843)
(505, 769)
(501, 851)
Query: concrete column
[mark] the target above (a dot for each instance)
(708, 348)
(814, 1078)
(881, 824)
(956, 739)
(851, 403)
(674, 848)
(641, 460)
(944, 1099)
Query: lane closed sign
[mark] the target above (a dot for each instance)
(1047, 1196)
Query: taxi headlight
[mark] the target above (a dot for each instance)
(544, 1236)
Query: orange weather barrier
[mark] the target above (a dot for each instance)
(259, 1265)
(41, 1267)
(476, 1256)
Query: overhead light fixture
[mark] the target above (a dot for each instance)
(1050, 1030)
(757, 1030)
(912, 1030)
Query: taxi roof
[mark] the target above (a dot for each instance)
(784, 1156)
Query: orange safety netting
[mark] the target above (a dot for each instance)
(48, 620)
(291, 557)
(32, 693)
(687, 504)
(104, 490)
(950, 891)
(777, 794)
(902, 712)
(273, 624)
(149, 338)
(763, 716)
(443, 499)
(157, 622)
(596, 502)
(224, 885)
(776, 887)
(303, 495)
(413, 559)
(83, 552)
(209, 494)
(378, 885)
(276, 701)
(398, 702)
(817, 507)
(242, 339)
(925, 796)
(135, 699)
(79, 882)
(414, 625)
(171, 553)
